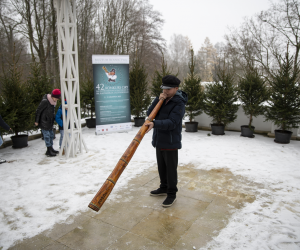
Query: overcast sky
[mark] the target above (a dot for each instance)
(199, 19)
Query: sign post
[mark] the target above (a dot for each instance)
(112, 96)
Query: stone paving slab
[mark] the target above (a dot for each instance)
(37, 242)
(131, 241)
(197, 236)
(125, 217)
(186, 208)
(135, 220)
(93, 234)
(162, 228)
(60, 230)
(56, 246)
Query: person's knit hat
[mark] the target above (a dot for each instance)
(56, 93)
(170, 81)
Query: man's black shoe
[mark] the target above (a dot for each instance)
(158, 192)
(54, 151)
(169, 201)
(49, 152)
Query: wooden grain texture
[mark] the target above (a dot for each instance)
(111, 181)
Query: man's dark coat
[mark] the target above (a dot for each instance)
(45, 114)
(168, 121)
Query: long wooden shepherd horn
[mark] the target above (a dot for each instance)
(110, 182)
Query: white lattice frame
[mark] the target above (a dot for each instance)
(69, 80)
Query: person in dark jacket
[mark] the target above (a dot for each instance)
(6, 127)
(44, 118)
(59, 120)
(167, 128)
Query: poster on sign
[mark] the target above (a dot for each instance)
(112, 96)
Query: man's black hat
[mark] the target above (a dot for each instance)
(170, 81)
(113, 70)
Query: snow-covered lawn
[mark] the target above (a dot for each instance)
(36, 192)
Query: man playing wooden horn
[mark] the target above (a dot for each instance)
(167, 128)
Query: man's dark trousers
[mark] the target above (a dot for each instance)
(167, 161)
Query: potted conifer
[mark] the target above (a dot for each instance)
(88, 100)
(17, 108)
(284, 101)
(253, 94)
(193, 88)
(220, 99)
(39, 85)
(139, 98)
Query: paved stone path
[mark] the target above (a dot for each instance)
(205, 202)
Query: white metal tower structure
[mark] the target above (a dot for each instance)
(69, 80)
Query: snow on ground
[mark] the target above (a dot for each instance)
(272, 221)
(36, 192)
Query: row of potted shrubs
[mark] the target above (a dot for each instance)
(276, 97)
(21, 95)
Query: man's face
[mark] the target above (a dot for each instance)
(54, 99)
(111, 73)
(170, 92)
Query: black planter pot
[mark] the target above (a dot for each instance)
(139, 121)
(283, 136)
(91, 123)
(191, 126)
(247, 132)
(20, 141)
(217, 129)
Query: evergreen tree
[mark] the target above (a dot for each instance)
(139, 98)
(220, 96)
(38, 84)
(284, 100)
(87, 95)
(193, 88)
(17, 108)
(157, 78)
(206, 59)
(252, 93)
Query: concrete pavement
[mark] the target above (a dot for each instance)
(205, 202)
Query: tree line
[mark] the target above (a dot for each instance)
(128, 27)
(28, 31)
(261, 41)
(132, 27)
(258, 66)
